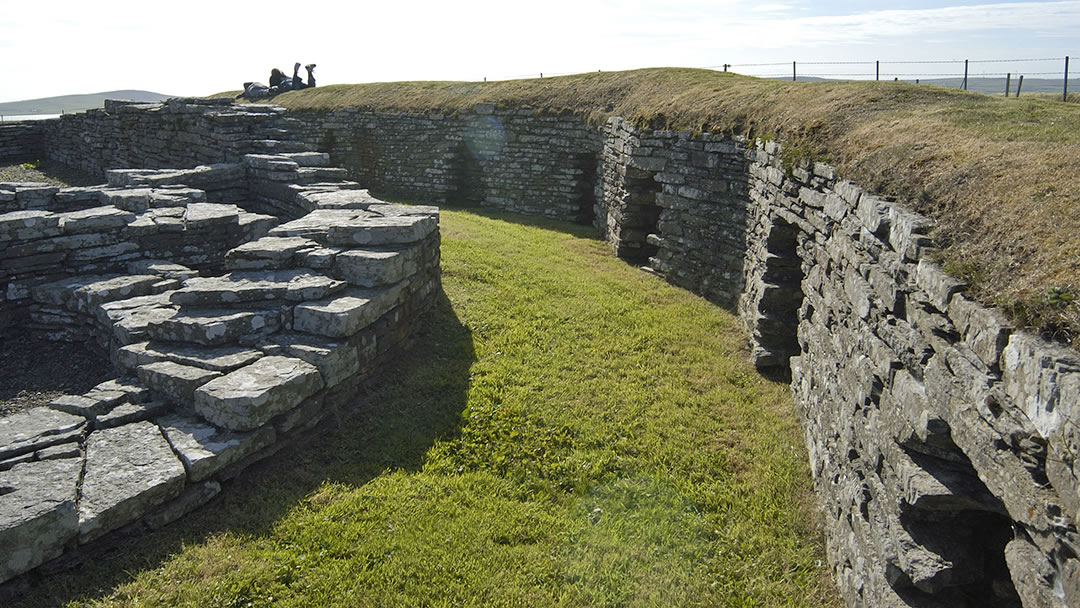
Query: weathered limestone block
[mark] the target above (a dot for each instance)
(938, 286)
(986, 332)
(208, 216)
(174, 380)
(314, 224)
(1043, 380)
(336, 360)
(98, 219)
(37, 513)
(134, 199)
(336, 200)
(249, 397)
(393, 230)
(37, 428)
(267, 253)
(218, 359)
(129, 470)
(205, 449)
(255, 286)
(27, 225)
(130, 319)
(347, 313)
(374, 268)
(126, 413)
(214, 327)
(93, 294)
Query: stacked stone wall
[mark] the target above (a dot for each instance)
(22, 141)
(234, 333)
(942, 440)
(514, 160)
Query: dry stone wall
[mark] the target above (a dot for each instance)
(22, 141)
(942, 441)
(233, 332)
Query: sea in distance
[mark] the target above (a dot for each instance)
(14, 117)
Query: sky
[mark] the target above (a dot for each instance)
(200, 47)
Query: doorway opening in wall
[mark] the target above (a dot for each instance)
(776, 334)
(586, 187)
(638, 218)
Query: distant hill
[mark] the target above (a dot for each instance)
(75, 103)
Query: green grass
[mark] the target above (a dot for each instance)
(570, 432)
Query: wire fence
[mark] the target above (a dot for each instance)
(965, 70)
(984, 75)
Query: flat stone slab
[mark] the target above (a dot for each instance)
(314, 224)
(126, 413)
(255, 286)
(161, 268)
(249, 397)
(206, 449)
(269, 252)
(174, 380)
(204, 216)
(97, 219)
(373, 268)
(115, 288)
(26, 225)
(131, 318)
(337, 199)
(129, 470)
(213, 358)
(393, 230)
(345, 315)
(37, 513)
(37, 428)
(336, 360)
(214, 327)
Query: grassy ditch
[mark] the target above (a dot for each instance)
(999, 175)
(571, 432)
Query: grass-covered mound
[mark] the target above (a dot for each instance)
(571, 432)
(1000, 176)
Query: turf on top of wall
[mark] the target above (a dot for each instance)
(1000, 176)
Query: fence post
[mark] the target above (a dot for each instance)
(1008, 77)
(964, 84)
(1019, 85)
(877, 70)
(792, 71)
(1065, 92)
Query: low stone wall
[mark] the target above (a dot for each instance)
(233, 332)
(942, 441)
(22, 141)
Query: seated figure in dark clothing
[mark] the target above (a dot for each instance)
(279, 83)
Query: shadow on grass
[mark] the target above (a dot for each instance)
(415, 401)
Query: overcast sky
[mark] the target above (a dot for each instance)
(199, 47)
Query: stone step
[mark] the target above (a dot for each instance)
(215, 327)
(277, 146)
(370, 268)
(212, 358)
(348, 313)
(253, 286)
(270, 252)
(337, 199)
(206, 449)
(336, 360)
(249, 397)
(175, 381)
(309, 159)
(38, 513)
(127, 321)
(37, 428)
(129, 470)
(318, 174)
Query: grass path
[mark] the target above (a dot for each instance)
(570, 432)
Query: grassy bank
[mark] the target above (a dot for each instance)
(998, 175)
(570, 432)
